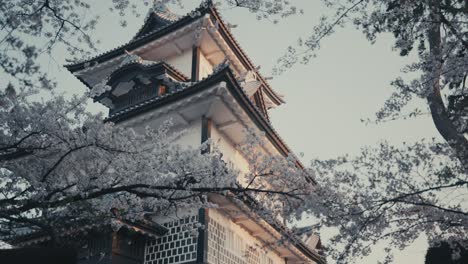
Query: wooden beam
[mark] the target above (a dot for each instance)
(240, 219)
(227, 124)
(210, 55)
(177, 48)
(257, 233)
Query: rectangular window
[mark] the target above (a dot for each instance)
(162, 90)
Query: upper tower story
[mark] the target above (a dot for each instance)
(189, 48)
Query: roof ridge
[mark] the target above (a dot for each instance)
(144, 63)
(192, 14)
(161, 12)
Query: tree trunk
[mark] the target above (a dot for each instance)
(440, 116)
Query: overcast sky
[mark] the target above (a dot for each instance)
(325, 99)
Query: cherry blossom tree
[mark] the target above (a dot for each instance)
(398, 193)
(385, 193)
(435, 31)
(60, 164)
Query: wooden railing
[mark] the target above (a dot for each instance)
(134, 96)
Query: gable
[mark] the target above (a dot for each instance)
(153, 23)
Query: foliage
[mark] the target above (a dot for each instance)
(60, 164)
(393, 194)
(399, 193)
(387, 192)
(434, 30)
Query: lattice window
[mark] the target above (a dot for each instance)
(227, 247)
(219, 252)
(179, 245)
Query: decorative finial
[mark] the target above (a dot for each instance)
(225, 63)
(159, 6)
(206, 3)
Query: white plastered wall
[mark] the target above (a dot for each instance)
(230, 153)
(205, 67)
(182, 62)
(191, 134)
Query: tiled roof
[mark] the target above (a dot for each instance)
(157, 18)
(145, 64)
(197, 13)
(173, 21)
(142, 63)
(305, 230)
(32, 236)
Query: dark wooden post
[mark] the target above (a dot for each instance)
(206, 131)
(195, 63)
(202, 242)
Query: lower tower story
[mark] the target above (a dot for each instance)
(230, 233)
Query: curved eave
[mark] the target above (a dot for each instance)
(170, 69)
(234, 45)
(246, 205)
(149, 21)
(138, 42)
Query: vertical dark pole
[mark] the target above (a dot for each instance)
(195, 63)
(202, 242)
(206, 131)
